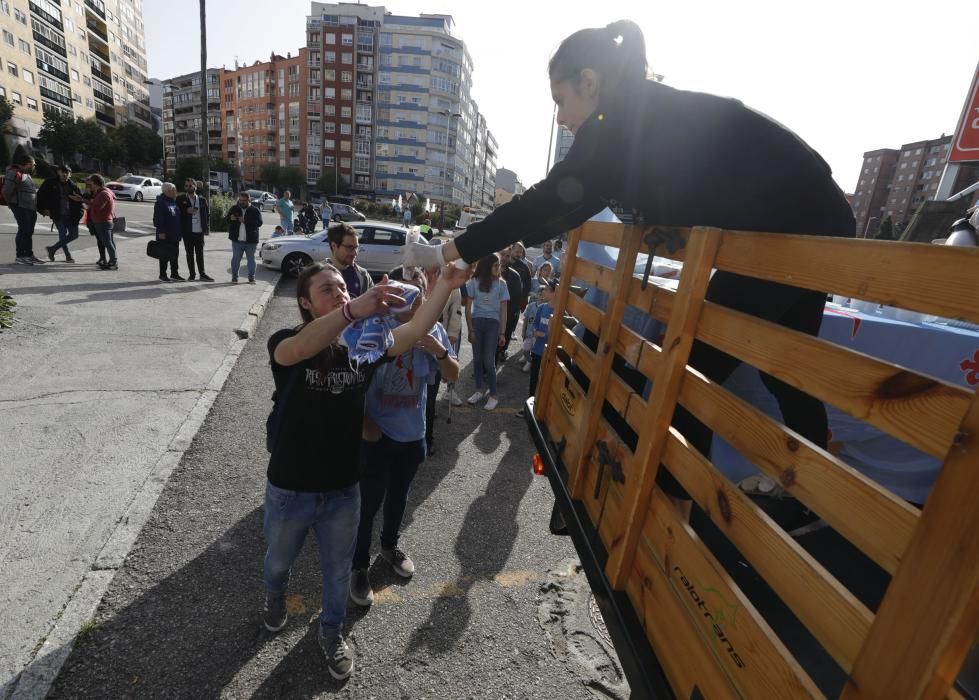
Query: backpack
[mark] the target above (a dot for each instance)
(3, 181)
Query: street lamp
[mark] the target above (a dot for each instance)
(449, 116)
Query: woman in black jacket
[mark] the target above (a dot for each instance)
(60, 199)
(244, 222)
(673, 158)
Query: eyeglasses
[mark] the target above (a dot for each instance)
(349, 246)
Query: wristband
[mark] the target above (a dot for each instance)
(347, 313)
(444, 355)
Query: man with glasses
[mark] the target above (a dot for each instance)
(343, 254)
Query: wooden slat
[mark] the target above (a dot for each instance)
(754, 658)
(676, 349)
(656, 299)
(669, 629)
(927, 278)
(562, 423)
(927, 621)
(834, 616)
(918, 410)
(872, 518)
(585, 313)
(591, 273)
(605, 353)
(605, 233)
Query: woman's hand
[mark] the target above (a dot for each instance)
(502, 342)
(455, 276)
(470, 336)
(377, 300)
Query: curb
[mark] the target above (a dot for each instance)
(36, 679)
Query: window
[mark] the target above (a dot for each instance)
(345, 112)
(347, 39)
(329, 128)
(329, 38)
(15, 97)
(330, 93)
(24, 47)
(347, 58)
(12, 68)
(345, 163)
(346, 146)
(31, 104)
(74, 75)
(330, 74)
(329, 144)
(347, 76)
(329, 161)
(28, 77)
(20, 17)
(330, 57)
(346, 94)
(345, 129)
(8, 38)
(312, 158)
(5, 6)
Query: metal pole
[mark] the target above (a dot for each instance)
(445, 174)
(205, 167)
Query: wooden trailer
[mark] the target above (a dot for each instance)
(682, 624)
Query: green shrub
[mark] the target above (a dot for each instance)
(7, 305)
(220, 204)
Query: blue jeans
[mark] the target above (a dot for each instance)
(24, 241)
(486, 340)
(387, 470)
(287, 224)
(67, 232)
(103, 233)
(333, 517)
(237, 248)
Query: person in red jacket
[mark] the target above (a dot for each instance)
(101, 214)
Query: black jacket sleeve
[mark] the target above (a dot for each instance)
(564, 200)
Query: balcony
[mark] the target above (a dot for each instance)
(98, 50)
(97, 7)
(101, 95)
(54, 46)
(47, 17)
(55, 96)
(98, 29)
(105, 116)
(363, 84)
(51, 70)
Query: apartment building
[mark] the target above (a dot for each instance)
(182, 116)
(562, 144)
(508, 185)
(83, 57)
(894, 182)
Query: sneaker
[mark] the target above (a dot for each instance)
(22, 261)
(275, 616)
(339, 661)
(360, 588)
(177, 278)
(476, 397)
(112, 266)
(206, 278)
(50, 250)
(234, 280)
(491, 403)
(69, 260)
(454, 398)
(36, 260)
(399, 561)
(191, 277)
(164, 278)
(251, 280)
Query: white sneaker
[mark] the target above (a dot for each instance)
(476, 397)
(454, 398)
(491, 403)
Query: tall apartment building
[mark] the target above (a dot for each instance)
(397, 110)
(264, 115)
(83, 57)
(894, 182)
(182, 116)
(482, 188)
(508, 185)
(562, 144)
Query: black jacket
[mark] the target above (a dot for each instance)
(187, 220)
(514, 287)
(680, 159)
(49, 196)
(253, 221)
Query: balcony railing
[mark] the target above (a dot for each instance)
(51, 70)
(104, 96)
(100, 75)
(107, 117)
(56, 96)
(94, 27)
(97, 7)
(44, 41)
(47, 16)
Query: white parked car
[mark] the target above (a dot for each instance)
(136, 187)
(381, 246)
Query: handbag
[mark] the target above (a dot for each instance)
(157, 250)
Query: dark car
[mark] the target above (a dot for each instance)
(345, 212)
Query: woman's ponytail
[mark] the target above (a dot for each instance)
(616, 52)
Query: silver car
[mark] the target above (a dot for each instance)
(381, 246)
(262, 200)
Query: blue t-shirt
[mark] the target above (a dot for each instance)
(286, 208)
(487, 304)
(397, 394)
(554, 260)
(541, 322)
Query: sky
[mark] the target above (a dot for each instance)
(847, 77)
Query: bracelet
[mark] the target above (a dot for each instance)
(444, 355)
(347, 313)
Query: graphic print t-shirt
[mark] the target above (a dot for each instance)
(318, 445)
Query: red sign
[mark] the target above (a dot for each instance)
(965, 145)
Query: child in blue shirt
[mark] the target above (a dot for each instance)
(539, 330)
(394, 442)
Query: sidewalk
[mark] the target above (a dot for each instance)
(106, 378)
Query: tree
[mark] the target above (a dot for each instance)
(278, 178)
(94, 143)
(329, 184)
(60, 135)
(191, 167)
(886, 230)
(137, 145)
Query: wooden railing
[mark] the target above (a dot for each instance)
(915, 644)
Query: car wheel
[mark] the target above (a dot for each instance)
(294, 263)
(138, 197)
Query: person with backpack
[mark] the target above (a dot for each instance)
(313, 485)
(20, 194)
(394, 440)
(60, 199)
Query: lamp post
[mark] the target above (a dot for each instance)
(449, 116)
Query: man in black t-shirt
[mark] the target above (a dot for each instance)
(518, 300)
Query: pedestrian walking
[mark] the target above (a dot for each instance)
(195, 223)
(635, 139)
(244, 220)
(101, 216)
(344, 245)
(406, 216)
(20, 193)
(60, 199)
(287, 212)
(315, 389)
(486, 313)
(326, 213)
(394, 441)
(166, 221)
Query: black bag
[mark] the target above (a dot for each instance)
(158, 251)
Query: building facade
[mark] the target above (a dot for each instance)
(562, 144)
(182, 116)
(86, 58)
(508, 185)
(894, 182)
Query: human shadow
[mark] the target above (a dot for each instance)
(83, 287)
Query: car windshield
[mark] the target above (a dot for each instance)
(131, 180)
(254, 194)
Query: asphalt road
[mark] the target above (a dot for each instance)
(488, 614)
